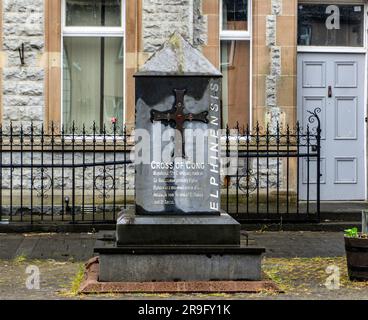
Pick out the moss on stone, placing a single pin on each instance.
(176, 45)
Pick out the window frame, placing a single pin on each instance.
(92, 32)
(239, 35)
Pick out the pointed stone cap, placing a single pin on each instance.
(177, 57)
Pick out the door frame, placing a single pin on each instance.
(348, 50)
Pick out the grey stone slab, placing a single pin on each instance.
(9, 245)
(300, 244)
(178, 230)
(177, 56)
(65, 247)
(44, 246)
(104, 246)
(179, 263)
(26, 247)
(223, 219)
(184, 267)
(177, 148)
(167, 184)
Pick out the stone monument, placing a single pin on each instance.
(177, 231)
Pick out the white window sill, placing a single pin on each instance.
(331, 49)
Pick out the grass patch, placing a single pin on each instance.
(77, 281)
(72, 289)
(20, 258)
(307, 275)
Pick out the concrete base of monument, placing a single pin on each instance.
(93, 285)
(176, 248)
(177, 263)
(146, 264)
(151, 230)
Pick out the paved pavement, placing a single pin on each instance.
(299, 244)
(61, 247)
(353, 208)
(79, 247)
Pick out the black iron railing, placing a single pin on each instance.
(86, 175)
(63, 174)
(279, 174)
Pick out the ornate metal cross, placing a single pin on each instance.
(176, 118)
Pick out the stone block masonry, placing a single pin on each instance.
(162, 18)
(23, 22)
(66, 182)
(272, 79)
(23, 85)
(275, 64)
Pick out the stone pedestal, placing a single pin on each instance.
(177, 231)
(179, 263)
(177, 248)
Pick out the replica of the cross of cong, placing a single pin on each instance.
(176, 117)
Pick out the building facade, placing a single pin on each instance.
(73, 61)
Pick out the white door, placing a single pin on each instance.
(335, 84)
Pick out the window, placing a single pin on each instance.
(235, 15)
(93, 13)
(330, 25)
(93, 63)
(235, 38)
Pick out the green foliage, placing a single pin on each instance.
(352, 233)
(20, 258)
(77, 281)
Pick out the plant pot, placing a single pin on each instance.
(357, 258)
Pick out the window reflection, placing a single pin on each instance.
(235, 57)
(93, 72)
(93, 13)
(235, 15)
(330, 25)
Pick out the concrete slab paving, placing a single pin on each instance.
(301, 244)
(79, 247)
(61, 247)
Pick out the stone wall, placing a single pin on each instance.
(23, 22)
(274, 71)
(274, 53)
(273, 77)
(161, 18)
(59, 181)
(23, 85)
(274, 62)
(151, 22)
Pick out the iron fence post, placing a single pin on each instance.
(318, 167)
(314, 117)
(73, 173)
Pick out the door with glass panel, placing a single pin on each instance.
(335, 84)
(93, 63)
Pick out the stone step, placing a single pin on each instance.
(177, 230)
(178, 263)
